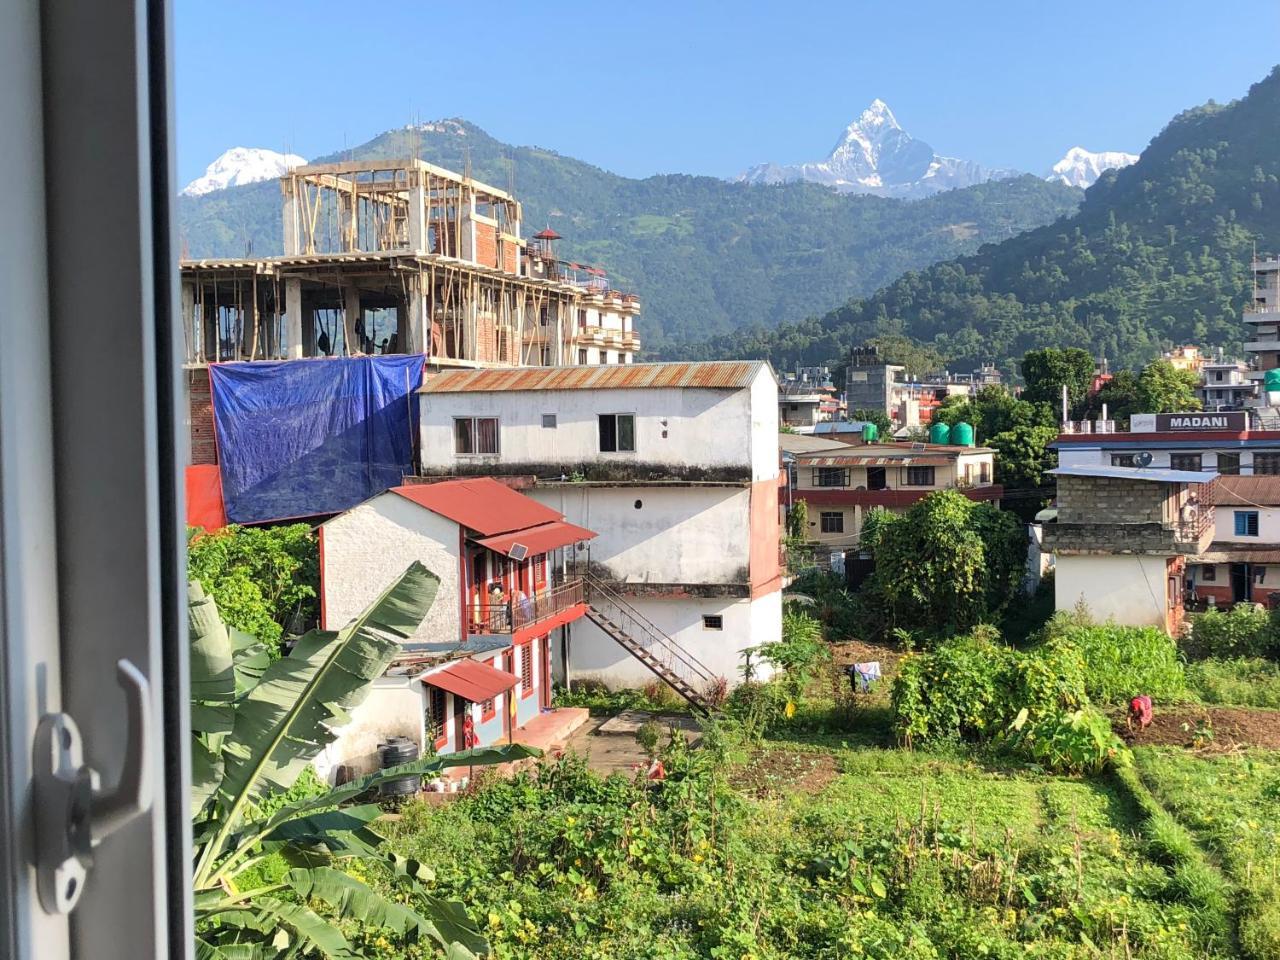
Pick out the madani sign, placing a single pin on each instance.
(1235, 421)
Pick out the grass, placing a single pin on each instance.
(1230, 805)
(1251, 682)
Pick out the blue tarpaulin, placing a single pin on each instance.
(300, 438)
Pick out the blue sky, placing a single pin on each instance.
(710, 88)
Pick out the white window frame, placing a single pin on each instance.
(474, 423)
(616, 433)
(92, 559)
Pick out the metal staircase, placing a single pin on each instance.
(640, 637)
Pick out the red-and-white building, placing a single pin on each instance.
(477, 671)
(1242, 564)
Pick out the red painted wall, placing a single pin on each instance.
(766, 537)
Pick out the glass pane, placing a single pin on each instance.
(608, 433)
(462, 437)
(487, 435)
(626, 432)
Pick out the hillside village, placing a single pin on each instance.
(618, 563)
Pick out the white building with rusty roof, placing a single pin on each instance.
(675, 465)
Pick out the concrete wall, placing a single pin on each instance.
(732, 431)
(747, 623)
(1072, 454)
(945, 476)
(1225, 524)
(677, 534)
(394, 708)
(366, 548)
(1129, 589)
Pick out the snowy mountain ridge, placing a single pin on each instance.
(241, 165)
(1082, 168)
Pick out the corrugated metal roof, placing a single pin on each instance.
(799, 443)
(539, 539)
(712, 374)
(855, 460)
(1247, 491)
(1152, 474)
(471, 680)
(480, 504)
(1225, 551)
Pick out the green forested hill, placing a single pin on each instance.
(1158, 253)
(707, 257)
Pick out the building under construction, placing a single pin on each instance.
(386, 257)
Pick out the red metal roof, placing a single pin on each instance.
(1253, 491)
(539, 539)
(547, 234)
(481, 504)
(471, 680)
(721, 374)
(887, 498)
(847, 460)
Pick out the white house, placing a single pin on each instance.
(677, 464)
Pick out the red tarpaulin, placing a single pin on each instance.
(204, 497)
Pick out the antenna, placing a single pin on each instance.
(1142, 459)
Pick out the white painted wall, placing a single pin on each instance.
(1075, 455)
(370, 545)
(747, 623)
(1224, 524)
(394, 708)
(679, 534)
(1128, 589)
(703, 427)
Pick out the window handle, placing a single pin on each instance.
(73, 814)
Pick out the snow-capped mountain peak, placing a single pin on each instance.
(241, 165)
(875, 155)
(1082, 168)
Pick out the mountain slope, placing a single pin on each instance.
(1158, 253)
(875, 155)
(706, 256)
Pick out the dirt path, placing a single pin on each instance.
(1207, 728)
(609, 743)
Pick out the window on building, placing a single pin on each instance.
(832, 521)
(830, 477)
(1217, 376)
(622, 357)
(475, 435)
(984, 472)
(1229, 464)
(920, 476)
(1246, 523)
(1209, 573)
(1268, 463)
(546, 356)
(604, 356)
(488, 710)
(435, 714)
(1184, 461)
(582, 358)
(526, 669)
(549, 421)
(1122, 460)
(617, 432)
(582, 318)
(712, 621)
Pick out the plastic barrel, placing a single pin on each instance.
(962, 434)
(870, 432)
(1271, 380)
(392, 753)
(939, 433)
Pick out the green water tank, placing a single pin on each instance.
(939, 433)
(962, 435)
(870, 433)
(1271, 380)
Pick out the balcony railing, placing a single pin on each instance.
(1089, 426)
(516, 613)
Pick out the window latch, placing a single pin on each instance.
(73, 814)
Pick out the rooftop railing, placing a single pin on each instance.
(515, 613)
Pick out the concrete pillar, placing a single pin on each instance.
(291, 218)
(418, 234)
(190, 332)
(209, 331)
(293, 319)
(415, 333)
(350, 314)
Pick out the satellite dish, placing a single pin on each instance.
(518, 551)
(1142, 459)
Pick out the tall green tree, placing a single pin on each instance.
(993, 410)
(1163, 388)
(1046, 371)
(878, 417)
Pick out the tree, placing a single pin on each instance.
(1045, 371)
(1162, 388)
(943, 566)
(991, 411)
(878, 417)
(262, 578)
(256, 725)
(1023, 454)
(1119, 394)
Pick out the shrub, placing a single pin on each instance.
(1245, 630)
(961, 690)
(799, 651)
(833, 604)
(1241, 682)
(1080, 741)
(1120, 662)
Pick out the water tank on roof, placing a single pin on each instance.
(870, 433)
(1271, 380)
(940, 433)
(962, 434)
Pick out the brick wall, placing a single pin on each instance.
(1111, 500)
(510, 256)
(204, 447)
(486, 244)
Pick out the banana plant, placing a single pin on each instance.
(256, 724)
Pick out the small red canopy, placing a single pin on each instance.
(471, 680)
(539, 539)
(547, 234)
